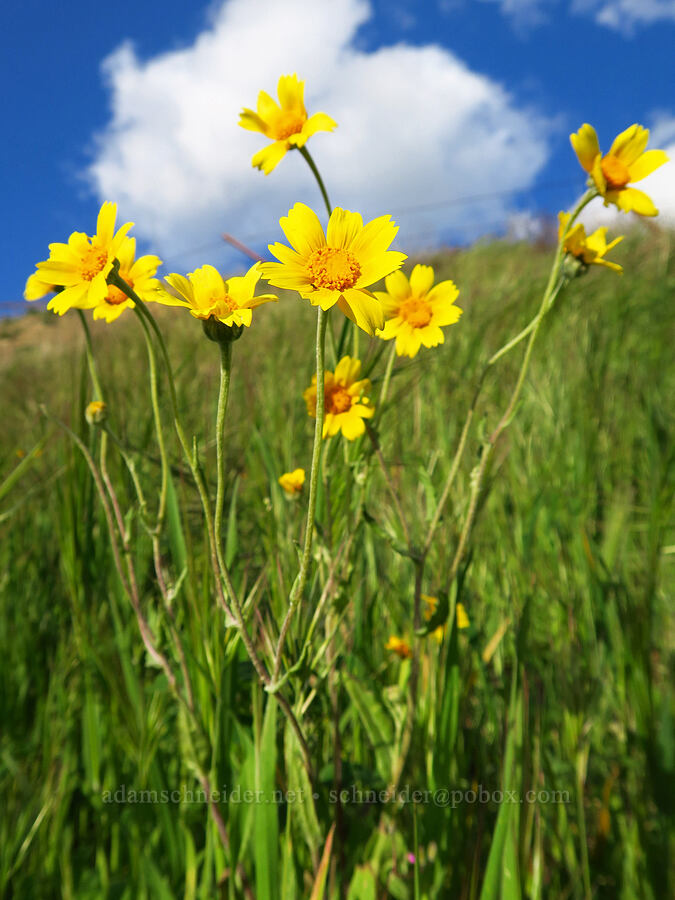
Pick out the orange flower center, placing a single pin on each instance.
(93, 260)
(338, 400)
(287, 124)
(616, 173)
(416, 312)
(115, 295)
(224, 303)
(334, 269)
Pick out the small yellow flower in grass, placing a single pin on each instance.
(627, 161)
(344, 401)
(338, 266)
(292, 482)
(81, 266)
(138, 274)
(208, 295)
(286, 123)
(96, 412)
(591, 248)
(398, 646)
(430, 606)
(416, 310)
(462, 618)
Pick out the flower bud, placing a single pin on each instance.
(96, 412)
(221, 334)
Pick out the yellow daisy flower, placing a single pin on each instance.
(207, 294)
(292, 482)
(338, 266)
(626, 162)
(398, 646)
(285, 123)
(138, 274)
(591, 248)
(81, 266)
(415, 311)
(344, 403)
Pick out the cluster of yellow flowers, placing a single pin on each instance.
(337, 267)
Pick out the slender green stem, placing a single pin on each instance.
(319, 180)
(154, 397)
(223, 393)
(581, 821)
(91, 361)
(114, 278)
(552, 288)
(299, 585)
(527, 330)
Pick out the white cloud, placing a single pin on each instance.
(525, 13)
(619, 15)
(625, 15)
(416, 127)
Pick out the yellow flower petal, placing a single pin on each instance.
(105, 223)
(318, 122)
(397, 285)
(586, 146)
(367, 310)
(252, 122)
(646, 164)
(267, 107)
(347, 370)
(291, 93)
(421, 279)
(630, 199)
(303, 229)
(36, 288)
(269, 157)
(630, 144)
(352, 426)
(343, 227)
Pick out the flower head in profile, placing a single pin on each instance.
(627, 161)
(416, 310)
(210, 296)
(399, 646)
(344, 402)
(338, 266)
(79, 269)
(589, 249)
(292, 482)
(285, 123)
(138, 274)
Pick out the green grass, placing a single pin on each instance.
(572, 559)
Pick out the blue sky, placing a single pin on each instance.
(434, 81)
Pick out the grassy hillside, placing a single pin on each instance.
(559, 684)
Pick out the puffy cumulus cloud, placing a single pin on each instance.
(660, 185)
(626, 15)
(416, 127)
